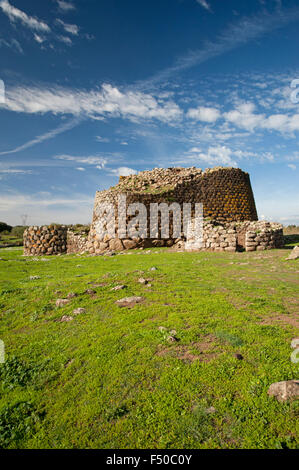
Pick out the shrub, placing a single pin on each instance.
(18, 231)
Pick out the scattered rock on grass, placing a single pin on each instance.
(162, 329)
(211, 410)
(171, 339)
(294, 254)
(285, 390)
(153, 268)
(129, 301)
(71, 295)
(34, 278)
(66, 318)
(90, 292)
(78, 311)
(116, 288)
(62, 302)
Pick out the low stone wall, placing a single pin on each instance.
(51, 240)
(237, 236)
(226, 237)
(264, 237)
(76, 242)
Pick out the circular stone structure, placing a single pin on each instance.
(225, 193)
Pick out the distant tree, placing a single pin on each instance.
(18, 231)
(5, 227)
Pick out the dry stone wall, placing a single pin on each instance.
(76, 242)
(51, 240)
(237, 236)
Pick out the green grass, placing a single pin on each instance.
(10, 240)
(110, 378)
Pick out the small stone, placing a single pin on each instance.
(90, 291)
(153, 268)
(71, 295)
(162, 329)
(66, 318)
(62, 302)
(116, 288)
(173, 332)
(171, 339)
(129, 301)
(141, 280)
(78, 311)
(239, 356)
(34, 278)
(295, 343)
(285, 390)
(211, 410)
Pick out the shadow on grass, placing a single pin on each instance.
(291, 241)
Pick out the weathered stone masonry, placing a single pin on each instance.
(230, 216)
(45, 240)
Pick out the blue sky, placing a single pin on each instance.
(95, 89)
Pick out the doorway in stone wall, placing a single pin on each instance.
(241, 240)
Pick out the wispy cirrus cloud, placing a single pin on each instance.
(239, 33)
(14, 14)
(69, 28)
(65, 7)
(13, 172)
(204, 4)
(42, 138)
(12, 44)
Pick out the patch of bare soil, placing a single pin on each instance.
(238, 302)
(280, 319)
(292, 305)
(203, 351)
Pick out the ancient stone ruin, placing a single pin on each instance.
(229, 211)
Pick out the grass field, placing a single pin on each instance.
(110, 379)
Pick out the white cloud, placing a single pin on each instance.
(12, 44)
(96, 161)
(69, 28)
(39, 38)
(14, 14)
(108, 101)
(292, 166)
(204, 114)
(123, 171)
(65, 7)
(104, 140)
(204, 4)
(65, 39)
(218, 155)
(243, 116)
(80, 169)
